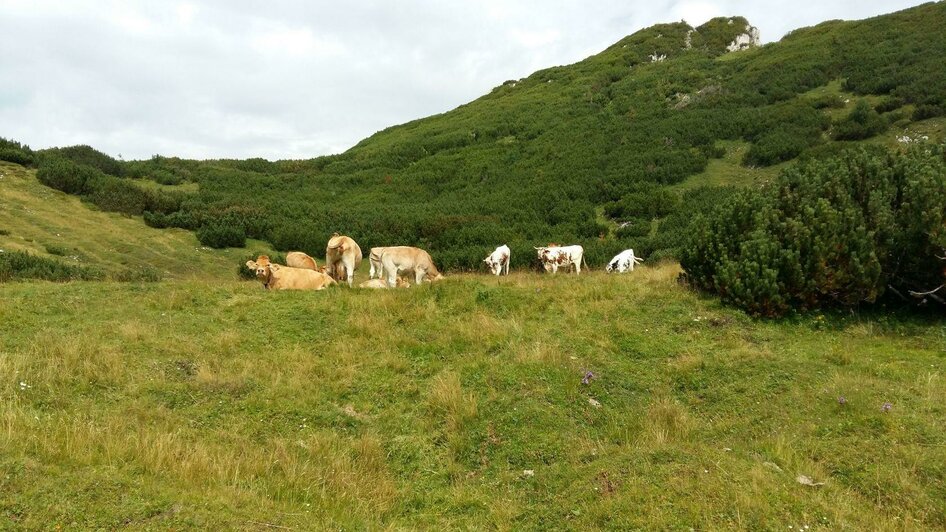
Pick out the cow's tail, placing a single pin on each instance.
(583, 261)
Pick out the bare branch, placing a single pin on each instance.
(924, 294)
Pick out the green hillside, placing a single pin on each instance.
(47, 223)
(618, 150)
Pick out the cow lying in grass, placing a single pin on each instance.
(298, 259)
(405, 258)
(278, 277)
(381, 283)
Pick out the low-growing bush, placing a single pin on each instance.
(22, 265)
(830, 232)
(219, 234)
(144, 274)
(924, 111)
(861, 123)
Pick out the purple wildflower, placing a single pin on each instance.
(842, 400)
(587, 378)
(886, 407)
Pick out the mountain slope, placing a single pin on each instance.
(49, 223)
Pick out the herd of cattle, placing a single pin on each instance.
(343, 255)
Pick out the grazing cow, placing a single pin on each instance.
(298, 259)
(405, 258)
(498, 260)
(374, 258)
(381, 283)
(342, 257)
(553, 256)
(623, 261)
(277, 277)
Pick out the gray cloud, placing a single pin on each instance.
(297, 79)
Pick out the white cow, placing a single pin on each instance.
(554, 256)
(623, 262)
(498, 260)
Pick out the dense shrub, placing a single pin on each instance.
(87, 156)
(14, 152)
(21, 265)
(861, 123)
(780, 145)
(219, 234)
(831, 232)
(924, 111)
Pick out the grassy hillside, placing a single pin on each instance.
(49, 223)
(461, 405)
(640, 136)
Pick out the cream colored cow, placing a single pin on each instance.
(342, 257)
(278, 277)
(405, 258)
(381, 283)
(374, 258)
(298, 259)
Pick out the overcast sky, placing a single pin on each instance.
(297, 79)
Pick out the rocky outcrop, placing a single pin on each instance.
(749, 39)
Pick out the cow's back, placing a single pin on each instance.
(298, 259)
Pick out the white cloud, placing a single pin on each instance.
(226, 78)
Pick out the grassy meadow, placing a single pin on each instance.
(191, 404)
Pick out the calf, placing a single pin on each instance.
(498, 260)
(623, 261)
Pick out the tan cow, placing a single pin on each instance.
(298, 259)
(374, 258)
(342, 257)
(381, 283)
(277, 277)
(405, 258)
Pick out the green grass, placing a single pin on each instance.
(188, 404)
(729, 170)
(46, 222)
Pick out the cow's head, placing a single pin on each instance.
(262, 267)
(402, 283)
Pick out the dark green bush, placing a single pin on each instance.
(86, 156)
(861, 123)
(21, 265)
(831, 232)
(14, 152)
(924, 111)
(67, 176)
(220, 234)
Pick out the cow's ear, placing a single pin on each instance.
(251, 264)
(273, 266)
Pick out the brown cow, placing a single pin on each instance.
(277, 277)
(342, 257)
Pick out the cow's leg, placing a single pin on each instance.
(350, 271)
(419, 276)
(392, 276)
(578, 267)
(371, 271)
(506, 265)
